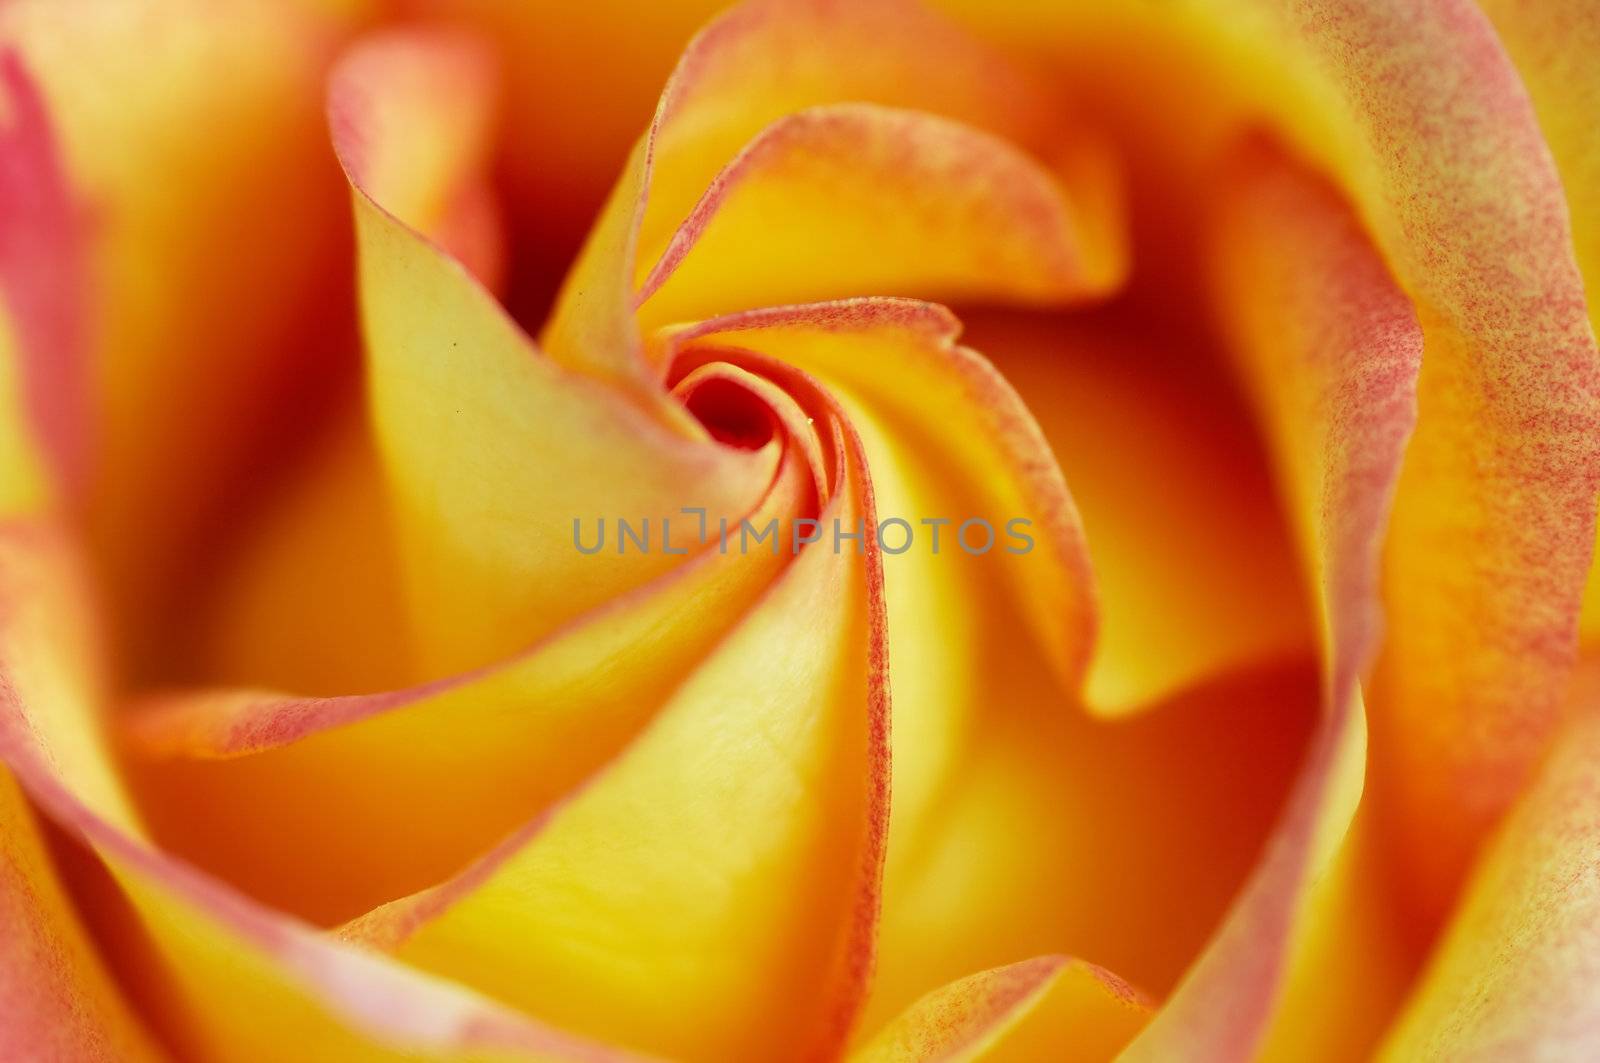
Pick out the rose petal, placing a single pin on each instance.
(56, 999)
(413, 118)
(1296, 274)
(308, 594)
(1048, 1007)
(1417, 109)
(1196, 574)
(841, 200)
(1515, 974)
(776, 807)
(213, 969)
(1553, 45)
(493, 451)
(957, 448)
(189, 134)
(753, 66)
(43, 292)
(312, 795)
(963, 417)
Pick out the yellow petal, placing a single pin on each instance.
(493, 451)
(725, 865)
(311, 796)
(1331, 349)
(954, 462)
(1196, 576)
(761, 62)
(843, 200)
(191, 136)
(1514, 976)
(216, 975)
(45, 433)
(1049, 1007)
(56, 998)
(968, 423)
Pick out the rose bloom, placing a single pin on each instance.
(1259, 725)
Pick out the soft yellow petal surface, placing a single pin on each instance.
(215, 974)
(1515, 975)
(1049, 1007)
(717, 869)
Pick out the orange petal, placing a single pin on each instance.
(1553, 45)
(757, 64)
(1296, 274)
(1048, 1007)
(1417, 109)
(307, 594)
(964, 418)
(215, 973)
(776, 807)
(56, 999)
(1514, 976)
(44, 293)
(190, 135)
(493, 451)
(841, 200)
(311, 795)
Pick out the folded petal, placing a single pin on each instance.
(44, 305)
(1514, 975)
(766, 60)
(56, 999)
(1195, 571)
(964, 419)
(493, 451)
(1049, 1007)
(842, 200)
(725, 866)
(956, 463)
(330, 806)
(1331, 350)
(211, 239)
(1416, 109)
(217, 976)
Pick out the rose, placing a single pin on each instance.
(640, 802)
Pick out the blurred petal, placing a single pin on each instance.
(774, 808)
(1416, 108)
(413, 117)
(1553, 44)
(1196, 576)
(307, 595)
(330, 806)
(492, 451)
(1352, 958)
(1515, 975)
(1331, 348)
(216, 975)
(56, 999)
(1049, 1007)
(44, 298)
(215, 254)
